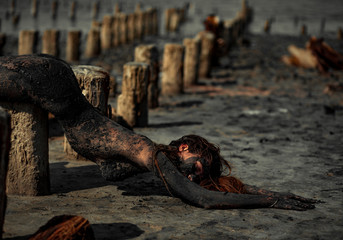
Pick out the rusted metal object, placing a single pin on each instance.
(51, 84)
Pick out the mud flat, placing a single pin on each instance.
(275, 125)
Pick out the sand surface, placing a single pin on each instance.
(275, 125)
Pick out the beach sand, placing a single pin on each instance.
(274, 124)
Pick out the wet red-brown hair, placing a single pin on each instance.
(216, 181)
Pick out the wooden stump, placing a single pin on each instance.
(5, 144)
(172, 71)
(93, 43)
(139, 25)
(73, 43)
(65, 227)
(207, 43)
(131, 27)
(149, 54)
(123, 28)
(50, 42)
(132, 103)
(106, 32)
(28, 170)
(27, 42)
(191, 61)
(116, 31)
(94, 83)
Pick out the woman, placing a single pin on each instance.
(201, 162)
(50, 83)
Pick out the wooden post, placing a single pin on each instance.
(5, 144)
(340, 34)
(131, 27)
(72, 10)
(116, 31)
(132, 102)
(72, 50)
(154, 22)
(50, 42)
(93, 43)
(303, 30)
(34, 8)
(139, 25)
(27, 42)
(167, 14)
(149, 54)
(267, 26)
(207, 43)
(28, 169)
(191, 61)
(106, 32)
(123, 28)
(54, 7)
(116, 9)
(94, 83)
(95, 10)
(172, 71)
(174, 21)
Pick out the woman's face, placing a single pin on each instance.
(191, 165)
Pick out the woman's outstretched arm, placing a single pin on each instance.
(50, 83)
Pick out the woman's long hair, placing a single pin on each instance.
(211, 153)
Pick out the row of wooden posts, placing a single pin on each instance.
(113, 31)
(183, 64)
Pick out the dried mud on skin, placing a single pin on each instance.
(272, 122)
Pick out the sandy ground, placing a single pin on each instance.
(273, 123)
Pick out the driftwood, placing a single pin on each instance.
(317, 54)
(51, 84)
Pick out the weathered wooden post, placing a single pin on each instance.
(73, 43)
(93, 43)
(154, 22)
(50, 42)
(207, 43)
(303, 30)
(27, 42)
(72, 10)
(131, 27)
(132, 103)
(116, 31)
(106, 32)
(94, 83)
(339, 34)
(167, 14)
(116, 9)
(172, 69)
(34, 8)
(54, 7)
(174, 21)
(28, 169)
(95, 10)
(5, 144)
(191, 61)
(149, 54)
(139, 25)
(123, 28)
(267, 26)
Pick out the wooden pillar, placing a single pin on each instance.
(93, 43)
(27, 42)
(54, 7)
(50, 42)
(154, 22)
(131, 27)
(149, 54)
(116, 31)
(132, 102)
(106, 32)
(94, 83)
(123, 28)
(139, 25)
(72, 10)
(167, 14)
(73, 43)
(172, 71)
(191, 61)
(34, 8)
(5, 144)
(28, 169)
(207, 43)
